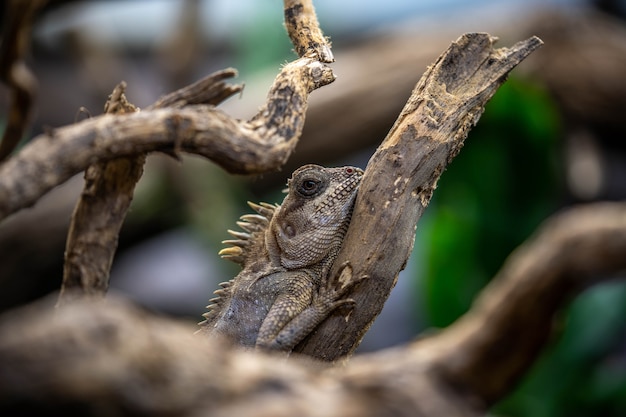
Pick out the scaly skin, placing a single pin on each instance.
(283, 292)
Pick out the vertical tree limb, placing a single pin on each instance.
(304, 31)
(403, 173)
(99, 215)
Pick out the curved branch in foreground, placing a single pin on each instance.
(403, 173)
(114, 357)
(261, 144)
(487, 351)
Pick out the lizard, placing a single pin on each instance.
(286, 251)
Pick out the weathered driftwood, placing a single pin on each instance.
(402, 175)
(261, 144)
(111, 358)
(108, 192)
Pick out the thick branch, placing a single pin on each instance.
(402, 174)
(133, 363)
(262, 144)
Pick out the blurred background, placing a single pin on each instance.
(554, 135)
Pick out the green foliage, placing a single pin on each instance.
(492, 197)
(495, 194)
(582, 374)
(262, 43)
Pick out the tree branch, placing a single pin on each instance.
(304, 31)
(402, 175)
(261, 144)
(98, 217)
(109, 188)
(117, 358)
(211, 90)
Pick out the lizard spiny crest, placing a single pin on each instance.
(244, 247)
(285, 252)
(254, 226)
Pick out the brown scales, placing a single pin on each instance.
(286, 251)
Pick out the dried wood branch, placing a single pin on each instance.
(304, 31)
(209, 90)
(99, 215)
(118, 360)
(402, 175)
(19, 15)
(108, 192)
(258, 145)
(261, 144)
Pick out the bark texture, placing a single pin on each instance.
(99, 215)
(403, 173)
(18, 18)
(112, 358)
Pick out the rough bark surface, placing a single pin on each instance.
(304, 30)
(112, 358)
(99, 215)
(402, 175)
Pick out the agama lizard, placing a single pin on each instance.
(283, 292)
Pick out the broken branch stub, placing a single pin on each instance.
(98, 216)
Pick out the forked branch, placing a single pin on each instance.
(261, 144)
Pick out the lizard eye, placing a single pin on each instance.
(309, 187)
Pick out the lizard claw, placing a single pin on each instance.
(332, 295)
(345, 280)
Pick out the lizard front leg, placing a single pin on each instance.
(295, 292)
(330, 296)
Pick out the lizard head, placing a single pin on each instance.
(310, 224)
